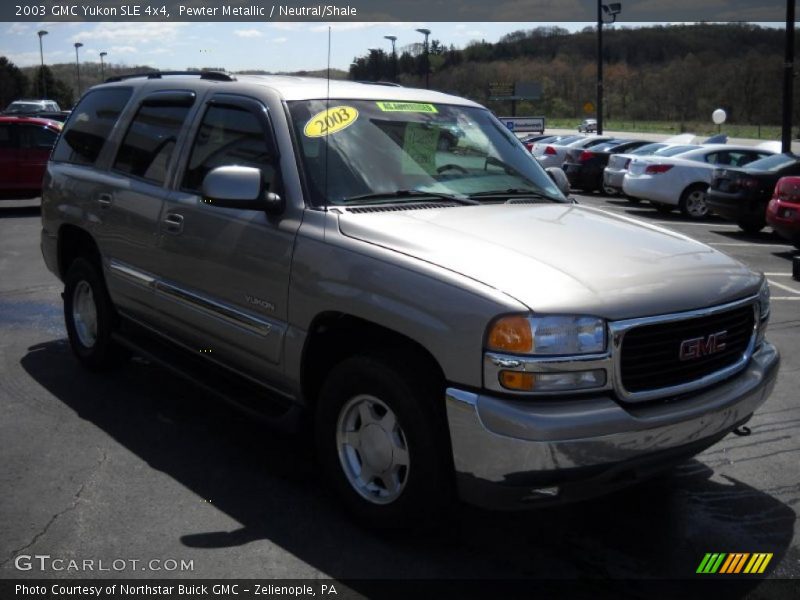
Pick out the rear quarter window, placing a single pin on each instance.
(90, 124)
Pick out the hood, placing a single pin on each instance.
(562, 258)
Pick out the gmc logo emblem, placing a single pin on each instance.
(699, 347)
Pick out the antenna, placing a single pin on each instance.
(327, 108)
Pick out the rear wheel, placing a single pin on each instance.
(633, 200)
(382, 442)
(693, 201)
(752, 224)
(90, 317)
(610, 191)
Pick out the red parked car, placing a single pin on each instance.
(783, 211)
(25, 145)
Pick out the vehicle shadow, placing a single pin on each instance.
(18, 212)
(268, 482)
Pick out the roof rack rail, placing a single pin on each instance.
(211, 75)
(386, 83)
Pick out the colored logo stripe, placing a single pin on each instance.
(733, 563)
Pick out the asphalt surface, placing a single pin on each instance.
(136, 465)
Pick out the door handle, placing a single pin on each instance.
(104, 200)
(174, 223)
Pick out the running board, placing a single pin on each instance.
(253, 400)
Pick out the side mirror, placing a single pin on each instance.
(559, 178)
(239, 187)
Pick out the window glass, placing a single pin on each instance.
(773, 162)
(37, 137)
(366, 151)
(90, 124)
(229, 136)
(150, 140)
(5, 136)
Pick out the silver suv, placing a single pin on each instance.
(444, 317)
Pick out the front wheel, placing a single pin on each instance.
(693, 202)
(752, 224)
(90, 317)
(664, 209)
(382, 443)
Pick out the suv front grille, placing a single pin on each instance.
(651, 354)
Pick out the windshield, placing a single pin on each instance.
(649, 148)
(674, 150)
(402, 150)
(16, 107)
(776, 162)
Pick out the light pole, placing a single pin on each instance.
(41, 34)
(393, 39)
(611, 11)
(788, 77)
(78, 67)
(426, 33)
(103, 66)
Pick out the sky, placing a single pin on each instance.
(280, 46)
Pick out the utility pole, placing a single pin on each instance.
(426, 33)
(393, 39)
(78, 67)
(612, 10)
(41, 34)
(788, 80)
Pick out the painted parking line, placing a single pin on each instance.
(749, 244)
(784, 287)
(778, 274)
(795, 298)
(696, 224)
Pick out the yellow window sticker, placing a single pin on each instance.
(416, 107)
(330, 121)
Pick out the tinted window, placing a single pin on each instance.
(6, 139)
(775, 162)
(36, 137)
(90, 124)
(147, 147)
(229, 136)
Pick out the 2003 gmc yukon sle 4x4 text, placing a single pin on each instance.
(447, 319)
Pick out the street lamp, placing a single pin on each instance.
(103, 66)
(78, 67)
(426, 33)
(393, 39)
(609, 11)
(41, 34)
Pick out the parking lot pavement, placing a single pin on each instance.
(135, 465)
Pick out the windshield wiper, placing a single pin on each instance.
(512, 193)
(415, 194)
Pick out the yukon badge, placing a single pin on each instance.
(698, 347)
(259, 302)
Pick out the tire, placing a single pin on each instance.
(90, 317)
(609, 191)
(693, 201)
(664, 209)
(633, 200)
(404, 445)
(752, 224)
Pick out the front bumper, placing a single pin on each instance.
(513, 454)
(734, 207)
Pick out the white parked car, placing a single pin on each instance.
(682, 181)
(618, 164)
(553, 155)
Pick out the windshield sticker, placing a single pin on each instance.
(406, 107)
(330, 121)
(419, 146)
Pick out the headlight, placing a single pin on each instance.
(549, 336)
(763, 300)
(763, 312)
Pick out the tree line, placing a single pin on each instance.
(663, 73)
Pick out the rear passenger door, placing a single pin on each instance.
(226, 271)
(35, 144)
(133, 196)
(9, 148)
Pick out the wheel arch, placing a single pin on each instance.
(334, 336)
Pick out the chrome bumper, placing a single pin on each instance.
(508, 453)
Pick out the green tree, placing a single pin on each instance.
(13, 83)
(55, 88)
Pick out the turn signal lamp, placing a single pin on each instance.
(511, 334)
